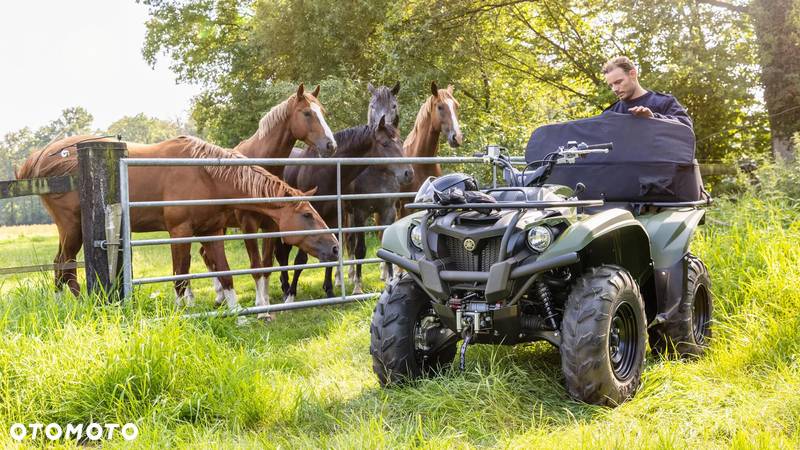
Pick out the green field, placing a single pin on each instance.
(305, 379)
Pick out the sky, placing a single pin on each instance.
(59, 54)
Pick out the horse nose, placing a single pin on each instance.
(335, 251)
(408, 175)
(452, 138)
(331, 145)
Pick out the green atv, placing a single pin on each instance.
(597, 270)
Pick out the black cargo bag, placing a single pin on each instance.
(652, 160)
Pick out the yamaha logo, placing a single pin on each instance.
(469, 244)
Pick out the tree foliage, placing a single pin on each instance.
(15, 148)
(516, 64)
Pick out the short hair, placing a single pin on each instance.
(623, 62)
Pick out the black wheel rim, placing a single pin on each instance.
(623, 341)
(701, 314)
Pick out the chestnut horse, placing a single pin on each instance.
(381, 141)
(177, 183)
(299, 117)
(437, 115)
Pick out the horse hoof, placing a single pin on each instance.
(289, 299)
(242, 321)
(357, 290)
(266, 317)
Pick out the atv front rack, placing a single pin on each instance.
(508, 205)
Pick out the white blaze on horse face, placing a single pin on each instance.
(453, 117)
(321, 118)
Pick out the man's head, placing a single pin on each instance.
(622, 77)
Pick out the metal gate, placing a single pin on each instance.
(128, 243)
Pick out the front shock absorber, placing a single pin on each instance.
(546, 297)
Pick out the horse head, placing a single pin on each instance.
(383, 102)
(307, 122)
(444, 114)
(387, 144)
(299, 216)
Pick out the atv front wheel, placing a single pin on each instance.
(603, 337)
(407, 340)
(688, 331)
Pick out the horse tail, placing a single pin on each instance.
(26, 170)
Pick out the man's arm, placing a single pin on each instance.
(675, 111)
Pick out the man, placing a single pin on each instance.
(623, 79)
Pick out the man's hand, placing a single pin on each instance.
(641, 111)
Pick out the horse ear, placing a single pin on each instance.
(450, 89)
(434, 89)
(370, 88)
(316, 92)
(396, 89)
(310, 192)
(382, 123)
(300, 91)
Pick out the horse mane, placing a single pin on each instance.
(253, 180)
(424, 113)
(279, 113)
(358, 135)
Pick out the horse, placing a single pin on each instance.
(299, 117)
(437, 115)
(375, 179)
(382, 140)
(177, 183)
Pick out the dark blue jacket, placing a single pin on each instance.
(664, 106)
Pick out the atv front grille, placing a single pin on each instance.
(479, 260)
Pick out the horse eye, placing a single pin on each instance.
(307, 113)
(394, 106)
(440, 107)
(308, 215)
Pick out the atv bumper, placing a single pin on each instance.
(497, 279)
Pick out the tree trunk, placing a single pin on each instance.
(778, 34)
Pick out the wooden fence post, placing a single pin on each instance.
(98, 186)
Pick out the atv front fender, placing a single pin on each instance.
(395, 238)
(609, 237)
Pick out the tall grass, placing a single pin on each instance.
(305, 379)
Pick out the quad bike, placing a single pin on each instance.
(598, 278)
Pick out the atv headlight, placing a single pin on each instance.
(539, 238)
(416, 236)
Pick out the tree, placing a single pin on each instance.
(18, 145)
(143, 129)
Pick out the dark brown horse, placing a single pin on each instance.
(177, 183)
(381, 140)
(298, 118)
(375, 179)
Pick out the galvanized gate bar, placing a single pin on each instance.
(300, 161)
(282, 306)
(233, 237)
(197, 276)
(246, 201)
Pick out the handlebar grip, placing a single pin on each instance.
(608, 145)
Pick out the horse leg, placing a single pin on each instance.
(251, 224)
(262, 283)
(282, 252)
(181, 262)
(69, 250)
(301, 258)
(216, 260)
(216, 254)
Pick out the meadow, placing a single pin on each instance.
(305, 379)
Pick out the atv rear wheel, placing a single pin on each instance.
(603, 337)
(407, 340)
(688, 331)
